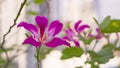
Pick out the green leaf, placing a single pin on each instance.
(39, 1)
(113, 27)
(27, 35)
(103, 56)
(111, 46)
(71, 52)
(105, 23)
(82, 38)
(32, 13)
(94, 57)
(117, 48)
(96, 21)
(106, 54)
(79, 67)
(7, 49)
(2, 62)
(1, 51)
(94, 66)
(86, 41)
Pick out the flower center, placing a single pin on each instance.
(44, 38)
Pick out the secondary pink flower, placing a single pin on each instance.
(98, 36)
(44, 34)
(79, 28)
(70, 34)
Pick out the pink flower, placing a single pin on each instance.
(79, 28)
(70, 34)
(44, 34)
(98, 36)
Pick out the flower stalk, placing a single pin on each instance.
(38, 56)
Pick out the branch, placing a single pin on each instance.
(12, 58)
(16, 18)
(4, 36)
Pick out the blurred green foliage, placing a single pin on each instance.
(39, 1)
(107, 26)
(71, 52)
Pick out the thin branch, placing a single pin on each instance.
(4, 36)
(95, 45)
(12, 58)
(6, 53)
(15, 20)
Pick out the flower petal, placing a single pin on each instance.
(90, 35)
(42, 22)
(99, 34)
(56, 42)
(29, 27)
(83, 27)
(77, 25)
(76, 43)
(55, 28)
(70, 32)
(31, 41)
(66, 38)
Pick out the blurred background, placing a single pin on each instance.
(67, 11)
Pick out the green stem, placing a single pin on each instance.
(95, 45)
(38, 57)
(96, 22)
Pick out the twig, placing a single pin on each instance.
(11, 59)
(4, 36)
(95, 45)
(16, 18)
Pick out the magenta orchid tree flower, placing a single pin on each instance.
(70, 34)
(44, 34)
(80, 28)
(98, 36)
